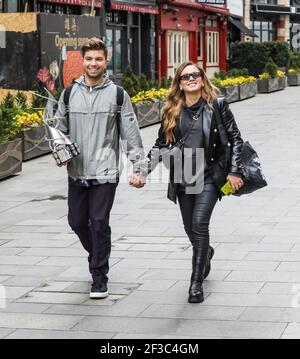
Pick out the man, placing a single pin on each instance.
(91, 121)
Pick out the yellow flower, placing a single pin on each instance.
(231, 81)
(27, 120)
(150, 95)
(280, 73)
(294, 71)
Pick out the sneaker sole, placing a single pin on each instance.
(98, 295)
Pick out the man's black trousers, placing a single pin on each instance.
(89, 212)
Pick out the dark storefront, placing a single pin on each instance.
(53, 43)
(130, 35)
(49, 52)
(268, 20)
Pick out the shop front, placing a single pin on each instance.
(46, 49)
(192, 31)
(270, 20)
(130, 35)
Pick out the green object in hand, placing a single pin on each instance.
(227, 189)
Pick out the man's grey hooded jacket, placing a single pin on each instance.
(92, 124)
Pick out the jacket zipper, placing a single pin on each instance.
(89, 137)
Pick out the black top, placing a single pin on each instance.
(194, 141)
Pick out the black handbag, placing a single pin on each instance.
(253, 176)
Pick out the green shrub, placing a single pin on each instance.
(294, 60)
(153, 84)
(128, 85)
(237, 73)
(279, 52)
(21, 100)
(130, 82)
(221, 75)
(166, 82)
(254, 56)
(9, 108)
(143, 83)
(271, 68)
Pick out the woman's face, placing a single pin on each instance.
(191, 80)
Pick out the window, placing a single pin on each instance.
(264, 31)
(212, 48)
(114, 45)
(12, 6)
(177, 50)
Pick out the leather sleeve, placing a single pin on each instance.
(234, 137)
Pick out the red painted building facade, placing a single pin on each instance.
(191, 30)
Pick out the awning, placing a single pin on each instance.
(97, 3)
(142, 6)
(241, 27)
(272, 9)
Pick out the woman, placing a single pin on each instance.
(189, 115)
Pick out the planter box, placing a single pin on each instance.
(247, 90)
(34, 143)
(10, 158)
(231, 93)
(271, 85)
(147, 113)
(293, 80)
(161, 105)
(282, 82)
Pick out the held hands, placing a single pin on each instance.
(236, 182)
(137, 181)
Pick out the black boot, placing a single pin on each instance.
(211, 253)
(199, 263)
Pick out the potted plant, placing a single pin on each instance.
(293, 78)
(228, 88)
(272, 79)
(148, 106)
(10, 144)
(235, 85)
(247, 87)
(33, 134)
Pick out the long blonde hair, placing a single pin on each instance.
(176, 98)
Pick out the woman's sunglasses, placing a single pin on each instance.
(195, 75)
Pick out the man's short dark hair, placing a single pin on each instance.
(94, 44)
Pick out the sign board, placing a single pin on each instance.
(62, 37)
(236, 7)
(97, 3)
(212, 2)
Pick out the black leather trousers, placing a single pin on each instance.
(196, 210)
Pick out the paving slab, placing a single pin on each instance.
(56, 334)
(38, 321)
(251, 292)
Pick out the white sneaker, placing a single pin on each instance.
(99, 291)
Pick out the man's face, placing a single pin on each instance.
(94, 64)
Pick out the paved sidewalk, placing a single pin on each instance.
(252, 291)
